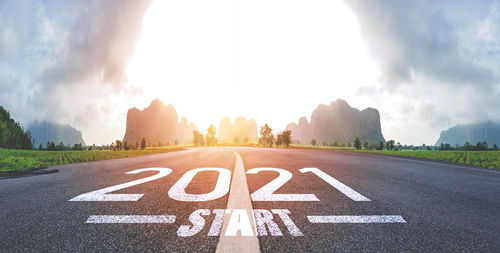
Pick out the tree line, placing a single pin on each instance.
(479, 146)
(12, 134)
(267, 139)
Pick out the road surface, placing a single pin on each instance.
(229, 199)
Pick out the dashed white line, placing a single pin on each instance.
(131, 219)
(357, 219)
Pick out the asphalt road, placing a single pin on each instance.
(346, 202)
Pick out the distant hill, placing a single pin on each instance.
(157, 123)
(242, 128)
(338, 122)
(12, 135)
(473, 133)
(45, 131)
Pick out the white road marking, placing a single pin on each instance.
(131, 219)
(266, 192)
(264, 218)
(239, 221)
(239, 198)
(464, 166)
(198, 223)
(178, 190)
(292, 228)
(357, 219)
(217, 223)
(354, 195)
(105, 195)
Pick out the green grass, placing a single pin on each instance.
(320, 147)
(489, 159)
(16, 159)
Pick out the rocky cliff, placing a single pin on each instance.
(157, 123)
(473, 133)
(338, 122)
(242, 128)
(43, 132)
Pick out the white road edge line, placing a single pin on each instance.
(239, 198)
(357, 219)
(131, 219)
(464, 166)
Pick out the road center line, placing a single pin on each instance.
(239, 198)
(357, 219)
(131, 219)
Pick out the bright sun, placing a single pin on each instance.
(269, 60)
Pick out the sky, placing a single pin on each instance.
(425, 65)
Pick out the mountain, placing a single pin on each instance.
(45, 131)
(242, 128)
(338, 122)
(12, 135)
(157, 123)
(473, 133)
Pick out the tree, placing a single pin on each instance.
(143, 143)
(12, 134)
(41, 147)
(313, 142)
(176, 142)
(118, 145)
(125, 145)
(286, 138)
(236, 139)
(484, 146)
(267, 136)
(211, 132)
(495, 147)
(467, 146)
(60, 146)
(380, 145)
(357, 143)
(366, 145)
(198, 138)
(389, 145)
(279, 140)
(246, 140)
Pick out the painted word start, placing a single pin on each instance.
(240, 223)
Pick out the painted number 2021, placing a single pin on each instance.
(178, 190)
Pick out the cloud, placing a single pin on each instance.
(65, 61)
(411, 38)
(100, 41)
(439, 57)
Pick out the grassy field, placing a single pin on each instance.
(489, 159)
(320, 147)
(15, 159)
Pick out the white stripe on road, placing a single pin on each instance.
(131, 219)
(357, 219)
(239, 198)
(346, 190)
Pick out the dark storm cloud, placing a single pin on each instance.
(413, 38)
(100, 41)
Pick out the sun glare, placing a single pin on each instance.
(268, 60)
